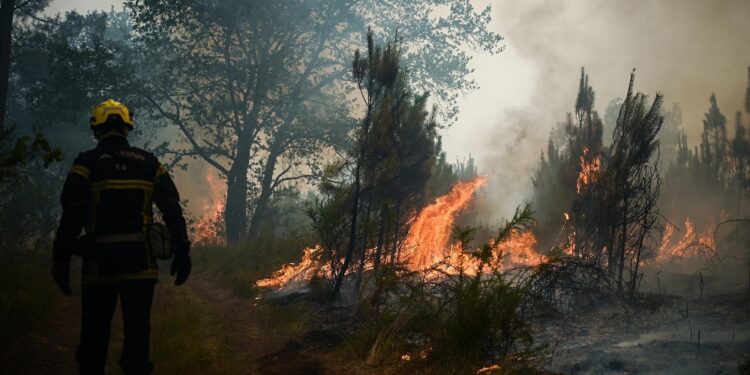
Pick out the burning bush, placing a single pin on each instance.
(458, 314)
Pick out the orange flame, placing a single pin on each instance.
(426, 245)
(691, 246)
(590, 170)
(518, 250)
(291, 275)
(207, 230)
(428, 237)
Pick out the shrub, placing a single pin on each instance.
(455, 323)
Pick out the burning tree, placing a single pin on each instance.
(615, 209)
(612, 190)
(382, 181)
(570, 164)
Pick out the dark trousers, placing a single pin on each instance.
(98, 304)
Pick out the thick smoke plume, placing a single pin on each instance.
(684, 49)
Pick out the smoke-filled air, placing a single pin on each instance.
(374, 187)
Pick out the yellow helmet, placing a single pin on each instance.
(110, 111)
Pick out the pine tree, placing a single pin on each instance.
(714, 141)
(632, 184)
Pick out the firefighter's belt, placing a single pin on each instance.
(119, 238)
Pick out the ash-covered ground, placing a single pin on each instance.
(657, 334)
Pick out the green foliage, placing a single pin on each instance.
(31, 201)
(62, 67)
(454, 324)
(482, 317)
(384, 177)
(24, 150)
(265, 108)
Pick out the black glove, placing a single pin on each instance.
(61, 275)
(181, 265)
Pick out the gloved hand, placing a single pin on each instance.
(181, 265)
(61, 275)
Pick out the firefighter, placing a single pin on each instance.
(109, 192)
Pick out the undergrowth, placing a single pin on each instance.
(27, 295)
(240, 266)
(455, 323)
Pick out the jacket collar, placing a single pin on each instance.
(112, 141)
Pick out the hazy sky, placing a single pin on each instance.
(685, 49)
(61, 6)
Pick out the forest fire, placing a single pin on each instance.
(432, 228)
(426, 245)
(519, 250)
(291, 275)
(208, 229)
(590, 170)
(691, 245)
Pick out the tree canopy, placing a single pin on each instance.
(258, 88)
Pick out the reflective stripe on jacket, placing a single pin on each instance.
(110, 191)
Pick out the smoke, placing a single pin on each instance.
(684, 49)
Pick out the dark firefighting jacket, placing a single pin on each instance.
(110, 191)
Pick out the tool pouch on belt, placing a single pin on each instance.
(159, 241)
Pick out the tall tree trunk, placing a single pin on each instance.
(637, 259)
(266, 191)
(7, 7)
(352, 235)
(363, 247)
(611, 252)
(623, 241)
(397, 226)
(235, 209)
(355, 202)
(379, 246)
(354, 213)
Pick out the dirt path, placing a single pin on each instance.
(258, 348)
(245, 331)
(49, 345)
